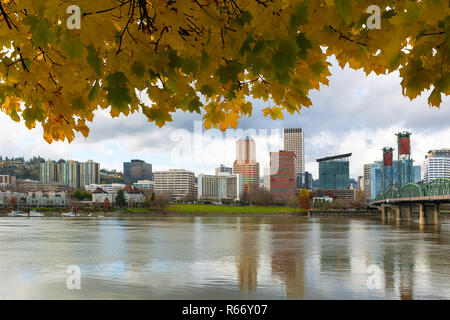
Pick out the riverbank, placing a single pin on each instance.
(201, 210)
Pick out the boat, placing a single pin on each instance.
(16, 214)
(69, 214)
(34, 213)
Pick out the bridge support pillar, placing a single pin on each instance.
(437, 213)
(384, 213)
(406, 213)
(429, 214)
(396, 212)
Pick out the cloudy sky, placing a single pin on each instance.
(355, 114)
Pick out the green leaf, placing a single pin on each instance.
(194, 105)
(207, 90)
(344, 9)
(285, 58)
(72, 46)
(303, 44)
(246, 45)
(93, 94)
(205, 61)
(40, 30)
(318, 68)
(138, 69)
(78, 104)
(189, 66)
(300, 16)
(118, 93)
(229, 72)
(93, 60)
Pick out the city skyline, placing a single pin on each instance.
(114, 141)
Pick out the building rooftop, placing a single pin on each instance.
(338, 157)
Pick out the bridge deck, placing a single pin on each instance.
(439, 199)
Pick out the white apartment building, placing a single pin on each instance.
(34, 199)
(133, 196)
(109, 188)
(179, 183)
(436, 165)
(146, 186)
(221, 186)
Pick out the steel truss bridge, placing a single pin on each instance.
(429, 197)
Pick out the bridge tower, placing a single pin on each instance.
(388, 169)
(405, 168)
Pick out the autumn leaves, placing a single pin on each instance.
(209, 57)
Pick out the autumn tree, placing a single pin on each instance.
(304, 199)
(162, 201)
(210, 57)
(106, 204)
(260, 197)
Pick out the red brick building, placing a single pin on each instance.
(283, 168)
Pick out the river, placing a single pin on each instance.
(223, 258)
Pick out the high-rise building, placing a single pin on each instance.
(436, 165)
(69, 174)
(8, 182)
(360, 183)
(136, 170)
(219, 187)
(367, 182)
(334, 172)
(266, 179)
(283, 169)
(222, 168)
(48, 171)
(179, 183)
(245, 163)
(293, 141)
(89, 173)
(376, 176)
(304, 180)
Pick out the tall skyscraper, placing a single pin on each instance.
(136, 170)
(89, 173)
(293, 141)
(366, 179)
(69, 174)
(245, 163)
(436, 165)
(283, 168)
(304, 180)
(48, 171)
(334, 172)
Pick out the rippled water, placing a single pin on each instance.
(222, 258)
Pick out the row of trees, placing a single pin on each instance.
(303, 200)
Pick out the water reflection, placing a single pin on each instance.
(287, 257)
(223, 258)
